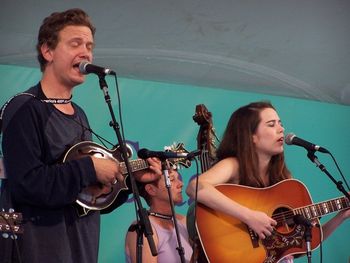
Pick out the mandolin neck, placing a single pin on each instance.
(136, 165)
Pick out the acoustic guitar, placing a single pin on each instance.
(226, 239)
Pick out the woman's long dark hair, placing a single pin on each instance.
(237, 142)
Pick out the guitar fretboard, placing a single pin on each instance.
(208, 153)
(136, 165)
(204, 161)
(323, 208)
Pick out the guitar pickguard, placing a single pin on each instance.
(277, 244)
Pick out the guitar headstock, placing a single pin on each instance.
(176, 162)
(206, 135)
(10, 223)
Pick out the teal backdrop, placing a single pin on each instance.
(158, 114)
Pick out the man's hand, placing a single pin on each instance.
(152, 173)
(107, 171)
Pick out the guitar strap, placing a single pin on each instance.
(8, 118)
(29, 94)
(2, 110)
(22, 97)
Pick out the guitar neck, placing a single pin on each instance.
(323, 208)
(135, 165)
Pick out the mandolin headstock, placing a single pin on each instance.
(178, 162)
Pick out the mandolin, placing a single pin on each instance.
(100, 197)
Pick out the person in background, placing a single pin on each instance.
(250, 154)
(156, 195)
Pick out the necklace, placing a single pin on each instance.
(159, 215)
(58, 101)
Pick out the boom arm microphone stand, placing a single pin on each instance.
(144, 225)
(311, 155)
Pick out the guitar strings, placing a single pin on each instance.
(283, 216)
(205, 160)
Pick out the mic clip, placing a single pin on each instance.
(190, 156)
(301, 220)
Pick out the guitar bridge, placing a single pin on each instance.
(253, 237)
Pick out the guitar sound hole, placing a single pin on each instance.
(284, 218)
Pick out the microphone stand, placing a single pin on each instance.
(308, 236)
(144, 225)
(301, 220)
(311, 155)
(180, 249)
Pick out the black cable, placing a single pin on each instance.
(336, 164)
(119, 106)
(321, 254)
(99, 137)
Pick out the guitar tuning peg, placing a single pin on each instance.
(11, 210)
(13, 237)
(5, 235)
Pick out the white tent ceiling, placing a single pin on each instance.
(292, 48)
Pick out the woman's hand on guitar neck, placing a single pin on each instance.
(107, 170)
(261, 224)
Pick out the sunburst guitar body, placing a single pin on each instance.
(226, 239)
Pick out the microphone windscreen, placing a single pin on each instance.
(82, 67)
(142, 153)
(289, 138)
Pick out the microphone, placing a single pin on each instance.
(144, 154)
(86, 67)
(301, 220)
(291, 138)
